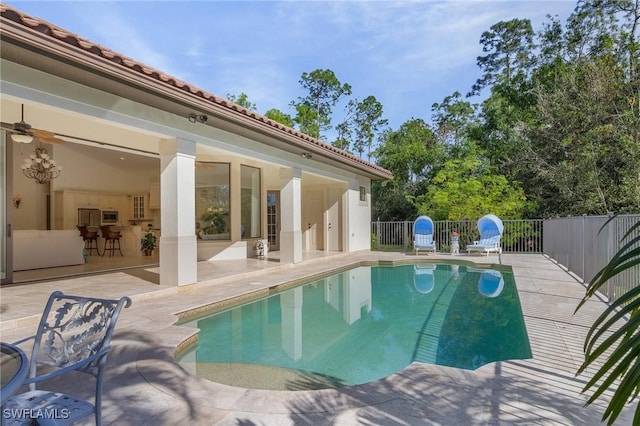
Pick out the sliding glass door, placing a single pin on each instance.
(6, 210)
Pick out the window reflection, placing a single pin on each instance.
(212, 201)
(250, 202)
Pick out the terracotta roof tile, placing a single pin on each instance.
(61, 34)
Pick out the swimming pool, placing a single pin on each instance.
(364, 324)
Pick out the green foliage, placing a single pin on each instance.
(363, 121)
(467, 189)
(148, 241)
(313, 111)
(613, 340)
(510, 47)
(242, 100)
(279, 116)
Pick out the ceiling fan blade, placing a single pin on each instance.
(200, 165)
(38, 133)
(51, 140)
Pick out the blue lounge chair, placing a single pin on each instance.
(490, 227)
(423, 235)
(423, 279)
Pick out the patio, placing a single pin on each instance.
(144, 385)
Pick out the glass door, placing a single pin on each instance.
(6, 210)
(273, 220)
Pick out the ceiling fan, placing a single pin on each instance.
(22, 132)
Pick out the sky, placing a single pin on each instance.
(408, 54)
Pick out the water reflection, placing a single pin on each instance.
(366, 323)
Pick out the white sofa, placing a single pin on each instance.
(34, 249)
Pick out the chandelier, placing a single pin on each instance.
(41, 167)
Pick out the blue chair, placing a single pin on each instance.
(490, 227)
(423, 235)
(74, 334)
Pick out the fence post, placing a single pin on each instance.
(405, 236)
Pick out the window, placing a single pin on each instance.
(212, 201)
(250, 202)
(363, 194)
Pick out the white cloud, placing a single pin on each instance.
(408, 54)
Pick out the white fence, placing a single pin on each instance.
(584, 247)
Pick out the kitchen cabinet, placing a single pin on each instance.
(138, 206)
(154, 196)
(67, 203)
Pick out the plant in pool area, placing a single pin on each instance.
(614, 337)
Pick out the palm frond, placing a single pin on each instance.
(613, 339)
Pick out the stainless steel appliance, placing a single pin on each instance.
(109, 217)
(89, 217)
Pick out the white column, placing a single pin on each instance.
(290, 216)
(178, 246)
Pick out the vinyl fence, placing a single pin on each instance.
(520, 236)
(584, 247)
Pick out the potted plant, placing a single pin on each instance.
(214, 221)
(148, 243)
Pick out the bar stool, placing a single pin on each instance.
(90, 239)
(110, 238)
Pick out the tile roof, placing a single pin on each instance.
(48, 29)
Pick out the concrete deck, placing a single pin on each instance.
(144, 384)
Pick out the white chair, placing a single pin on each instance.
(490, 227)
(423, 235)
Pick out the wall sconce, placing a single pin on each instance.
(193, 118)
(17, 199)
(306, 155)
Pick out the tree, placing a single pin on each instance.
(242, 100)
(466, 189)
(362, 123)
(585, 144)
(323, 92)
(413, 154)
(279, 116)
(453, 118)
(510, 46)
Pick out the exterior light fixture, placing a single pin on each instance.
(193, 118)
(306, 155)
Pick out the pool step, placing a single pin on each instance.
(426, 349)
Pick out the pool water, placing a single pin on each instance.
(366, 323)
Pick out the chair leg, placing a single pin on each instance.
(119, 250)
